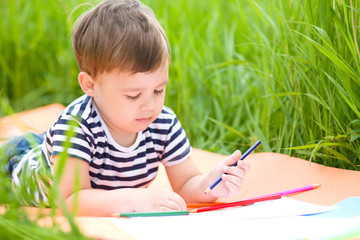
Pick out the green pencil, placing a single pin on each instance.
(151, 214)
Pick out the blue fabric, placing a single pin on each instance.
(31, 180)
(17, 147)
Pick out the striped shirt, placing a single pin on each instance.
(112, 166)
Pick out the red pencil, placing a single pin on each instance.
(235, 204)
(199, 205)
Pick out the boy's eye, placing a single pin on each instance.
(133, 97)
(158, 92)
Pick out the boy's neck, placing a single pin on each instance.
(124, 140)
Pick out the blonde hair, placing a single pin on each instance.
(119, 34)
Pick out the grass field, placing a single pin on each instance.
(283, 72)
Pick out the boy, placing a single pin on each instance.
(122, 130)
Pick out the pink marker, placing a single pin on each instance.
(295, 190)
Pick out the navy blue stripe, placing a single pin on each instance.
(101, 144)
(82, 102)
(155, 141)
(163, 121)
(158, 131)
(166, 111)
(176, 134)
(123, 159)
(98, 135)
(119, 159)
(63, 121)
(84, 105)
(48, 141)
(125, 179)
(105, 187)
(82, 149)
(56, 153)
(92, 125)
(70, 110)
(182, 155)
(78, 135)
(142, 142)
(61, 132)
(91, 140)
(174, 149)
(124, 169)
(150, 150)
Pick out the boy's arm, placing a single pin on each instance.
(97, 202)
(187, 180)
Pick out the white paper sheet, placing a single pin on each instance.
(282, 207)
(296, 227)
(276, 219)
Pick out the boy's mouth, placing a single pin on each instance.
(144, 120)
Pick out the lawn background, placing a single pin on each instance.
(283, 72)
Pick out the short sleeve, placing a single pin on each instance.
(70, 134)
(177, 147)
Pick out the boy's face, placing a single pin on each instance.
(128, 103)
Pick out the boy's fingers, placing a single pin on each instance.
(243, 165)
(233, 158)
(236, 181)
(178, 201)
(167, 209)
(170, 206)
(233, 188)
(235, 171)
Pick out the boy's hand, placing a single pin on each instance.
(232, 177)
(158, 200)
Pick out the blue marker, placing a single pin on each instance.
(216, 182)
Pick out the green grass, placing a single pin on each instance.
(283, 72)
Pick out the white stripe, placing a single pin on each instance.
(72, 151)
(176, 153)
(65, 127)
(123, 183)
(160, 126)
(20, 166)
(86, 110)
(123, 164)
(176, 141)
(76, 109)
(79, 141)
(175, 129)
(131, 173)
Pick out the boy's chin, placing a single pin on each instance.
(140, 128)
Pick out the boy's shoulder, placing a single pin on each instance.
(166, 113)
(80, 109)
(166, 110)
(166, 119)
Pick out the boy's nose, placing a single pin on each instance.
(148, 104)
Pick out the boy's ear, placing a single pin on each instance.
(87, 83)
